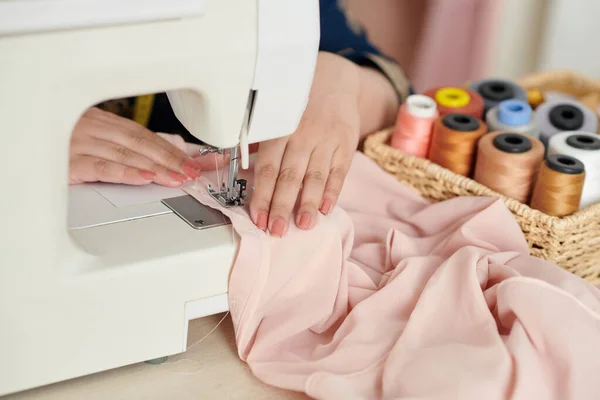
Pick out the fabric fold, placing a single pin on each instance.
(393, 297)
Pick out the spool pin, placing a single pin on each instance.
(564, 115)
(454, 142)
(454, 100)
(494, 91)
(558, 188)
(514, 116)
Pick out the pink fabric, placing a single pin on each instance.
(454, 44)
(392, 297)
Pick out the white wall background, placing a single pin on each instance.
(572, 39)
(534, 35)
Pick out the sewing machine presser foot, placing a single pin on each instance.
(228, 197)
(232, 193)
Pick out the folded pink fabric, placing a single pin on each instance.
(393, 297)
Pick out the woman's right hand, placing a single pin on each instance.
(109, 148)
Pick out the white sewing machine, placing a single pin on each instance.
(118, 283)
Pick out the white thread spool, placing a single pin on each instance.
(514, 116)
(585, 147)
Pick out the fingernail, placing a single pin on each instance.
(326, 206)
(193, 165)
(148, 175)
(278, 227)
(305, 220)
(178, 177)
(261, 221)
(192, 173)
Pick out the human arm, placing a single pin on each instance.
(355, 91)
(346, 102)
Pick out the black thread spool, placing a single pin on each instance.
(495, 91)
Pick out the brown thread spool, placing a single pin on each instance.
(508, 163)
(559, 186)
(454, 142)
(444, 96)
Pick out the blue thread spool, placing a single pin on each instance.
(514, 116)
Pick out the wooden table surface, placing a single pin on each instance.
(208, 370)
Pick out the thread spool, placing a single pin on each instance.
(508, 163)
(535, 98)
(564, 115)
(412, 133)
(493, 91)
(453, 100)
(559, 186)
(454, 142)
(514, 116)
(585, 147)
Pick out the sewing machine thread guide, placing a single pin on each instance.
(196, 214)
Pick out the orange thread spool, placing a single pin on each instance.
(559, 186)
(412, 133)
(454, 142)
(508, 163)
(445, 97)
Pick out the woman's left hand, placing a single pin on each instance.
(311, 164)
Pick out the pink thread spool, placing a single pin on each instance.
(414, 124)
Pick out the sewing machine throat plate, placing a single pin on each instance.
(197, 215)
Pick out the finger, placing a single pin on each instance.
(122, 155)
(340, 164)
(313, 187)
(135, 137)
(289, 181)
(266, 171)
(93, 169)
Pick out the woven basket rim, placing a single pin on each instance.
(558, 75)
(381, 138)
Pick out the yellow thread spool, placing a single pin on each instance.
(452, 97)
(534, 98)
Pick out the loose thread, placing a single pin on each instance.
(169, 365)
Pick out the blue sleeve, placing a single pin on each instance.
(347, 39)
(339, 36)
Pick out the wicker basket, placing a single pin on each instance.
(571, 242)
